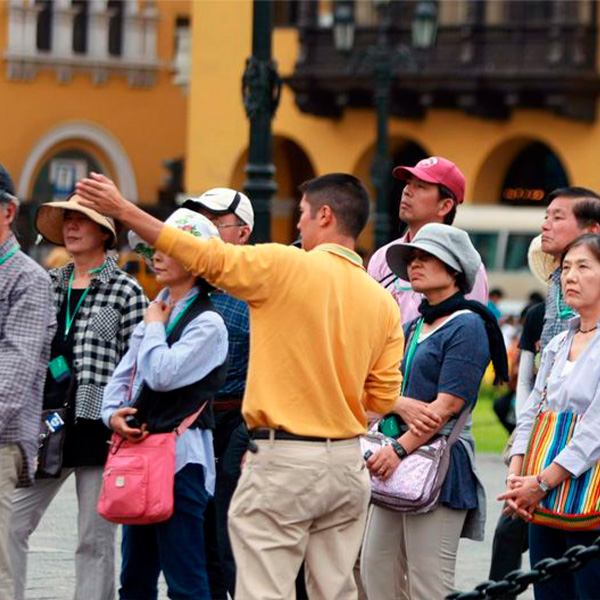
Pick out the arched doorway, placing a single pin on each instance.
(292, 167)
(534, 172)
(90, 138)
(519, 171)
(56, 177)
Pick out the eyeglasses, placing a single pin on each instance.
(219, 226)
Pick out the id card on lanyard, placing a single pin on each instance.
(59, 368)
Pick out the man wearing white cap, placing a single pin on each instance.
(434, 188)
(232, 213)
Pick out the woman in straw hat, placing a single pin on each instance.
(175, 366)
(98, 307)
(409, 555)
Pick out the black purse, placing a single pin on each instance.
(51, 439)
(51, 442)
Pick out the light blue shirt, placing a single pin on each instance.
(577, 390)
(201, 348)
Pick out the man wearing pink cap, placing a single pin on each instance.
(434, 188)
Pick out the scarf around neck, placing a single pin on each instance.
(496, 341)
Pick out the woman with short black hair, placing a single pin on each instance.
(409, 555)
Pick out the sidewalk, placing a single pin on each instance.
(52, 546)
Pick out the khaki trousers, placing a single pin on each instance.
(11, 460)
(299, 501)
(410, 557)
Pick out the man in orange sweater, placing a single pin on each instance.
(325, 345)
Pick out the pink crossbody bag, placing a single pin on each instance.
(139, 478)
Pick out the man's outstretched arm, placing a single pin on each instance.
(100, 193)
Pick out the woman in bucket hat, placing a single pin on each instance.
(177, 361)
(413, 555)
(98, 307)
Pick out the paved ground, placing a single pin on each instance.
(51, 570)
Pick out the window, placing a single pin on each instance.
(487, 245)
(115, 27)
(43, 37)
(80, 26)
(516, 251)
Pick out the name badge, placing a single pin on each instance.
(59, 369)
(54, 422)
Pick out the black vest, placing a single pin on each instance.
(163, 411)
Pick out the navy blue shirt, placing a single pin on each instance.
(237, 320)
(452, 359)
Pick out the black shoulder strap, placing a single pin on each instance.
(201, 304)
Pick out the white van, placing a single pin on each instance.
(502, 235)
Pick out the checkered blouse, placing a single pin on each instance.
(113, 307)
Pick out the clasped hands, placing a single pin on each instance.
(522, 496)
(421, 419)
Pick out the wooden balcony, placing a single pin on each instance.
(487, 70)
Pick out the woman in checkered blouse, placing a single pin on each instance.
(98, 307)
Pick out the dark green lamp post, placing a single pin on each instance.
(381, 58)
(261, 88)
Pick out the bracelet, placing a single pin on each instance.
(399, 449)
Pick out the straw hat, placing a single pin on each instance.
(542, 265)
(49, 219)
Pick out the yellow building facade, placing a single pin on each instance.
(306, 145)
(91, 85)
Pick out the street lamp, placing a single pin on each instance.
(381, 59)
(261, 88)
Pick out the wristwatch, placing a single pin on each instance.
(542, 485)
(399, 449)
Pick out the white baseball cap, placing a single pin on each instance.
(223, 201)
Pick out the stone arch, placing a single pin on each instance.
(490, 177)
(91, 136)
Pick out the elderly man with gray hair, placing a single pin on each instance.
(27, 323)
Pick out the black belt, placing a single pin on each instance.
(279, 434)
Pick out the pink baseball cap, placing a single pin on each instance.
(436, 169)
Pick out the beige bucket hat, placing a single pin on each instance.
(49, 219)
(542, 265)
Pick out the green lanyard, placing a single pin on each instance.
(563, 313)
(181, 313)
(414, 341)
(401, 288)
(10, 253)
(71, 319)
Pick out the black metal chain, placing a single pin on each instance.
(516, 582)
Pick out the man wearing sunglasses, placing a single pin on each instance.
(27, 324)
